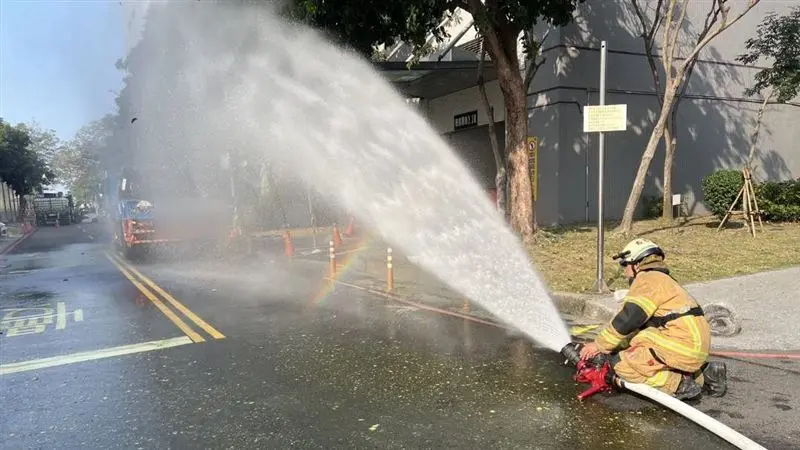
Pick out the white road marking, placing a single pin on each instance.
(61, 316)
(34, 364)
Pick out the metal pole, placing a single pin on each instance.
(600, 284)
(4, 195)
(312, 218)
(233, 190)
(14, 206)
(586, 162)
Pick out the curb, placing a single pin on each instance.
(15, 243)
(593, 307)
(565, 303)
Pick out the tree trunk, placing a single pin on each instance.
(522, 207)
(502, 47)
(754, 137)
(500, 164)
(21, 209)
(669, 161)
(647, 156)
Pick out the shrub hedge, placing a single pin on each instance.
(720, 189)
(779, 201)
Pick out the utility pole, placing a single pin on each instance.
(600, 283)
(602, 119)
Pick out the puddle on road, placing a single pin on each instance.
(26, 299)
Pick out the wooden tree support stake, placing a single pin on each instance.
(749, 205)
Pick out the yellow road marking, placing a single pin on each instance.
(23, 366)
(193, 335)
(174, 302)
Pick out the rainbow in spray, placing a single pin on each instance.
(343, 266)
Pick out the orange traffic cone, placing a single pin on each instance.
(350, 230)
(288, 247)
(337, 237)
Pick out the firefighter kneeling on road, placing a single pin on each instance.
(668, 333)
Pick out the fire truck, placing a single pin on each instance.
(143, 222)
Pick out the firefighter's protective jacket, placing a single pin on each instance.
(664, 318)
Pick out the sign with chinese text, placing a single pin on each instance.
(602, 118)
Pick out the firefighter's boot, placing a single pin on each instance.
(688, 389)
(715, 376)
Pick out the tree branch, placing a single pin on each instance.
(678, 27)
(717, 9)
(711, 18)
(500, 177)
(667, 51)
(754, 137)
(496, 49)
(647, 37)
(532, 65)
(498, 158)
(647, 34)
(724, 25)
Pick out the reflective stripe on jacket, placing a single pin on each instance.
(682, 343)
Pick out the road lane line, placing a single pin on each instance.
(174, 302)
(193, 335)
(61, 360)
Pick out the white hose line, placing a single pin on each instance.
(705, 421)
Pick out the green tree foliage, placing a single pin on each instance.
(77, 163)
(778, 41)
(367, 23)
(20, 166)
(44, 142)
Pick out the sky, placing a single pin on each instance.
(57, 61)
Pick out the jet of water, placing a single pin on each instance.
(288, 94)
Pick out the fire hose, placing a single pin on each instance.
(598, 374)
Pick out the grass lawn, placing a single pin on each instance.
(695, 251)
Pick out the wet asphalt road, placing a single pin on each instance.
(302, 366)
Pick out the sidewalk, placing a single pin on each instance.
(14, 236)
(764, 304)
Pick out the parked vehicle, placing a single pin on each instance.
(52, 208)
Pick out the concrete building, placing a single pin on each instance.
(714, 120)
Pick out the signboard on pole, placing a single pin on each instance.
(603, 118)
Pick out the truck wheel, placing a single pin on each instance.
(130, 253)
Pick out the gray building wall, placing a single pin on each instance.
(471, 146)
(714, 120)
